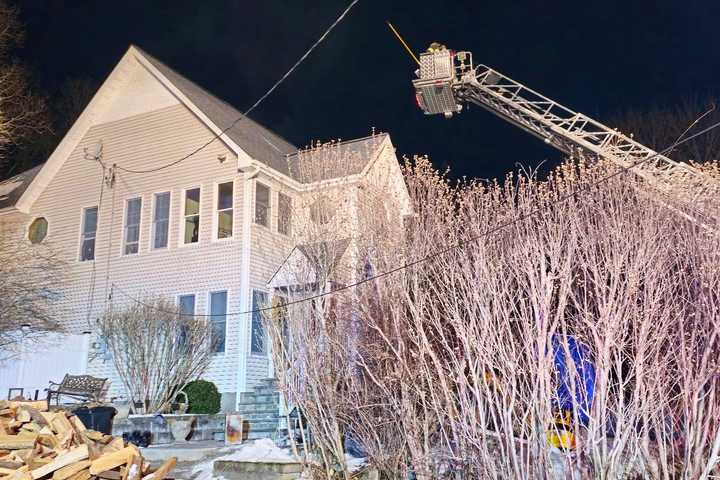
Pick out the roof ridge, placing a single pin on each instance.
(255, 139)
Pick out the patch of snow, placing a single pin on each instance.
(263, 450)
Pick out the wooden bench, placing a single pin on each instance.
(78, 387)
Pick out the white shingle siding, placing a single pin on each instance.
(154, 129)
(141, 142)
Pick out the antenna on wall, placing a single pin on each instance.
(97, 156)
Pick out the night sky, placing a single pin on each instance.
(599, 60)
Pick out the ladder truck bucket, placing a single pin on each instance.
(434, 88)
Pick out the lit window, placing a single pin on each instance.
(257, 338)
(38, 230)
(262, 204)
(284, 210)
(132, 225)
(192, 215)
(225, 210)
(89, 229)
(161, 220)
(218, 312)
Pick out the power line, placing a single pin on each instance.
(459, 244)
(258, 102)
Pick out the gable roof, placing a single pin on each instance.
(256, 140)
(246, 135)
(12, 188)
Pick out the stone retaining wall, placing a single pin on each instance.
(206, 427)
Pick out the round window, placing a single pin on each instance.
(38, 230)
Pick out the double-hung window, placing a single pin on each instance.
(284, 211)
(262, 204)
(186, 308)
(191, 211)
(257, 336)
(218, 312)
(225, 210)
(161, 220)
(89, 230)
(133, 208)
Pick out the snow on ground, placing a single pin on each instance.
(263, 450)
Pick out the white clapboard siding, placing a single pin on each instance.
(141, 142)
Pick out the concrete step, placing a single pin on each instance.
(263, 425)
(268, 381)
(258, 408)
(261, 416)
(252, 398)
(255, 434)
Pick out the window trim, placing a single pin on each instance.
(82, 230)
(181, 239)
(153, 202)
(29, 224)
(208, 311)
(123, 242)
(216, 212)
(264, 353)
(290, 202)
(268, 216)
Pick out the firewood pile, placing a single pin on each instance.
(39, 444)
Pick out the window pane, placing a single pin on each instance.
(132, 225)
(161, 223)
(187, 305)
(192, 201)
(192, 227)
(262, 204)
(88, 249)
(133, 211)
(90, 221)
(218, 309)
(161, 234)
(225, 196)
(284, 207)
(225, 224)
(257, 338)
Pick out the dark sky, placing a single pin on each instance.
(595, 57)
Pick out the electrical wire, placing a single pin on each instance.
(255, 105)
(459, 244)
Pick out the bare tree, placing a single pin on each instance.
(661, 126)
(22, 111)
(155, 350)
(30, 277)
(449, 368)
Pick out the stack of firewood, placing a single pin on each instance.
(38, 444)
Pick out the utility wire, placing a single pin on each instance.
(258, 102)
(459, 244)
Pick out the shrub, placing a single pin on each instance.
(203, 397)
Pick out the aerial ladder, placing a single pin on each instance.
(447, 80)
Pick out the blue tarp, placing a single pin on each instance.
(581, 365)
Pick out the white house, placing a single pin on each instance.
(210, 231)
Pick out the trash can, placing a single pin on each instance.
(97, 418)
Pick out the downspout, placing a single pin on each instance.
(245, 246)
